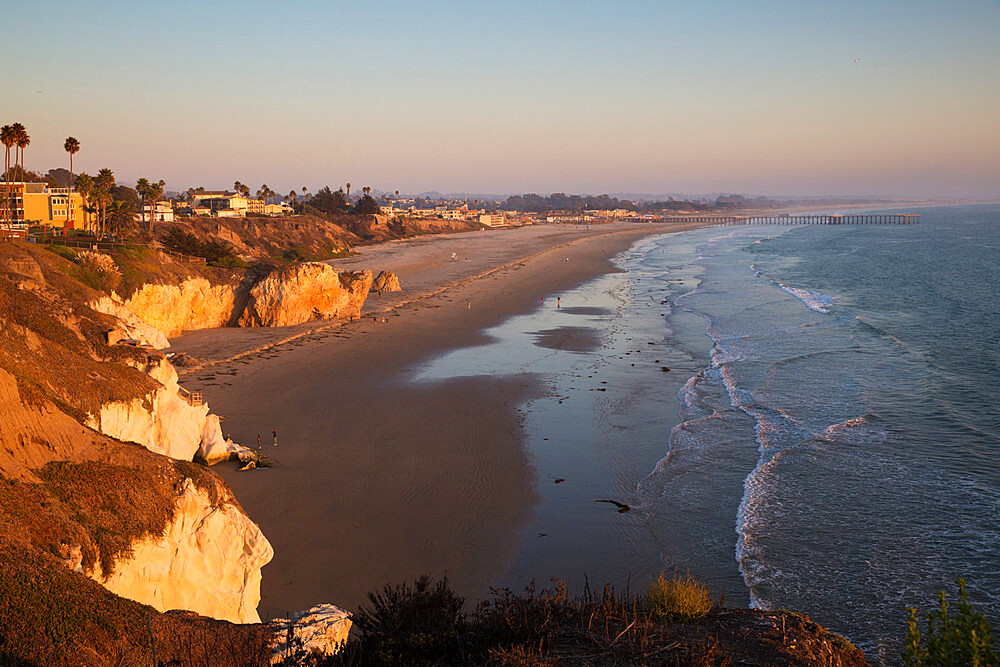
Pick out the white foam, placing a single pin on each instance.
(814, 300)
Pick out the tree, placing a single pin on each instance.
(142, 188)
(366, 205)
(290, 197)
(155, 191)
(72, 146)
(84, 184)
(348, 192)
(7, 137)
(102, 196)
(329, 202)
(120, 216)
(22, 140)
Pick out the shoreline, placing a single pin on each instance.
(359, 442)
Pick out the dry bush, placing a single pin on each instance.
(676, 598)
(102, 266)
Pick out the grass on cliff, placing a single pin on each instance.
(960, 636)
(426, 623)
(677, 597)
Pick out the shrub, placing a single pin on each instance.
(962, 638)
(679, 597)
(214, 251)
(407, 625)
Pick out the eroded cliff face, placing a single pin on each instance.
(131, 324)
(194, 304)
(306, 292)
(163, 422)
(208, 561)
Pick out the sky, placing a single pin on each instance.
(757, 97)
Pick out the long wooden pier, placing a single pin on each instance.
(785, 219)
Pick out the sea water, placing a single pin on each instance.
(826, 437)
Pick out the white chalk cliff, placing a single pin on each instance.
(163, 421)
(207, 561)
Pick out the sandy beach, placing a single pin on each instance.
(378, 479)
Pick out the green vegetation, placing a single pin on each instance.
(676, 598)
(955, 638)
(114, 504)
(215, 252)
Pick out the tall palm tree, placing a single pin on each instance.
(142, 188)
(291, 197)
(155, 192)
(102, 195)
(85, 185)
(72, 146)
(22, 141)
(348, 192)
(8, 140)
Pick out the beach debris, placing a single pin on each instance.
(665, 369)
(559, 480)
(622, 507)
(543, 534)
(249, 465)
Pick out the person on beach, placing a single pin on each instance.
(274, 432)
(259, 443)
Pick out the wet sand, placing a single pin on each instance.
(380, 479)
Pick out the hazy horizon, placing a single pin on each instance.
(519, 97)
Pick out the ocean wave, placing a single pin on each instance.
(814, 300)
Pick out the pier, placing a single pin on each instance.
(786, 219)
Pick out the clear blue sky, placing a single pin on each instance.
(658, 97)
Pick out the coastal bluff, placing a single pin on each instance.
(109, 534)
(265, 297)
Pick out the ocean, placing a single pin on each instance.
(805, 418)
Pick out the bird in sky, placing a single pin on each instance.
(857, 60)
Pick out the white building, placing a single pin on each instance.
(161, 211)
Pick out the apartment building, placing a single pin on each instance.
(38, 204)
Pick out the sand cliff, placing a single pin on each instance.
(276, 298)
(208, 560)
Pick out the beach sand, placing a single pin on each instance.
(378, 479)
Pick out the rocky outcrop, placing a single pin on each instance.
(168, 422)
(208, 561)
(132, 326)
(194, 304)
(306, 292)
(321, 630)
(164, 421)
(387, 281)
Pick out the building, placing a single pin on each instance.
(277, 209)
(220, 204)
(493, 219)
(38, 204)
(161, 211)
(255, 207)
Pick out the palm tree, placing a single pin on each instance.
(8, 140)
(291, 197)
(102, 194)
(142, 189)
(84, 185)
(120, 216)
(72, 146)
(22, 140)
(155, 192)
(348, 192)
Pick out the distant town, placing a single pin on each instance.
(61, 201)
